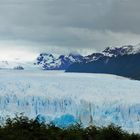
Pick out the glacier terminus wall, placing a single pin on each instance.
(66, 98)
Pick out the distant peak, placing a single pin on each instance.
(115, 51)
(51, 62)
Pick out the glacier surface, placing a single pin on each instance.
(64, 98)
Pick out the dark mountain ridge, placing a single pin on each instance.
(123, 61)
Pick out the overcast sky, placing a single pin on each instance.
(62, 26)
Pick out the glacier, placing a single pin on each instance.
(66, 98)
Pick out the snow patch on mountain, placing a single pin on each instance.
(123, 50)
(113, 52)
(53, 62)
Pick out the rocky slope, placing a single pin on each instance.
(123, 61)
(51, 62)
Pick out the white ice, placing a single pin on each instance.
(98, 99)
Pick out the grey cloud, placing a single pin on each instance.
(70, 24)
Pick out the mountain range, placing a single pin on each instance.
(53, 62)
(122, 61)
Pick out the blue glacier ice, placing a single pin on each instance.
(64, 98)
(65, 120)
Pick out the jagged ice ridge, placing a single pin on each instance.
(65, 98)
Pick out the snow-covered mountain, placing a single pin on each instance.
(114, 52)
(48, 61)
(123, 61)
(53, 62)
(65, 98)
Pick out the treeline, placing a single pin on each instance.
(22, 128)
